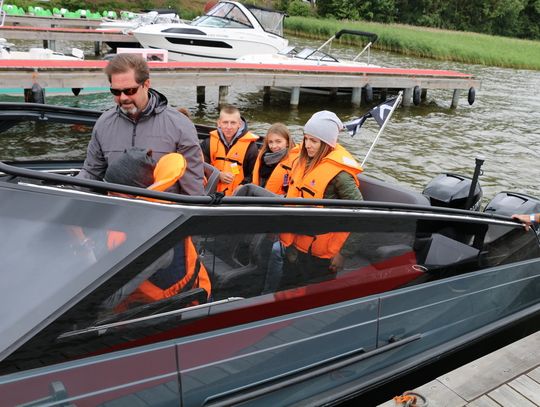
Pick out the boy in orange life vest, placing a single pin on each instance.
(179, 269)
(326, 170)
(231, 149)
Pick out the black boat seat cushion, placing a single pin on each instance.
(375, 190)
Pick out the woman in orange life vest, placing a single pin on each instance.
(179, 269)
(275, 160)
(325, 169)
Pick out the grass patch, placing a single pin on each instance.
(432, 43)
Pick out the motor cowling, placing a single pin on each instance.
(510, 203)
(451, 191)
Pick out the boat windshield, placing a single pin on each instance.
(56, 247)
(271, 21)
(224, 15)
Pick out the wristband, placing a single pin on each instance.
(532, 218)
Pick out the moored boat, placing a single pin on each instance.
(424, 283)
(228, 31)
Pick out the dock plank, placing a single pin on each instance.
(483, 401)
(494, 369)
(507, 396)
(535, 374)
(527, 387)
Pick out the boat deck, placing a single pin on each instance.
(509, 377)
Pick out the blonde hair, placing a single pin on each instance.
(281, 130)
(324, 150)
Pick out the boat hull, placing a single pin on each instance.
(212, 44)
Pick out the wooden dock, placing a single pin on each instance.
(84, 74)
(508, 377)
(17, 32)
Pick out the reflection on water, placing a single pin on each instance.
(419, 142)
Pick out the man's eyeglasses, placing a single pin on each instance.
(127, 91)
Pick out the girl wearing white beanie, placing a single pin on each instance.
(324, 170)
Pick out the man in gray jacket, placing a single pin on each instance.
(142, 119)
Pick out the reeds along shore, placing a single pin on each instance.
(425, 42)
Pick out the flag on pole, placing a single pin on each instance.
(380, 113)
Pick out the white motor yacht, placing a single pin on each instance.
(228, 31)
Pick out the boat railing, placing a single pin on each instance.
(371, 36)
(12, 172)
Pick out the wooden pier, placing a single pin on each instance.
(84, 74)
(508, 377)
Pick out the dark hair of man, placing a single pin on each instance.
(123, 63)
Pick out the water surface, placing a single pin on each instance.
(419, 143)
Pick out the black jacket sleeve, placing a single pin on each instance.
(249, 162)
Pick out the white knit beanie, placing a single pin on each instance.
(325, 126)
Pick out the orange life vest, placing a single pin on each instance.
(312, 185)
(278, 181)
(195, 276)
(169, 169)
(231, 161)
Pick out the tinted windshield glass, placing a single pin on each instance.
(55, 247)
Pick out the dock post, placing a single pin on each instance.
(356, 98)
(201, 94)
(266, 94)
(97, 48)
(455, 99)
(407, 97)
(223, 92)
(423, 95)
(295, 96)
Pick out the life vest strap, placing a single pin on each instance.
(229, 159)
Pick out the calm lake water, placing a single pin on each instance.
(420, 142)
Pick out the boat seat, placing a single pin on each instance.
(237, 265)
(375, 190)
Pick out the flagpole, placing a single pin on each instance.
(396, 104)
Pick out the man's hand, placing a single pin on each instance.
(226, 177)
(525, 219)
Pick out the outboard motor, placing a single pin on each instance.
(452, 191)
(456, 191)
(509, 203)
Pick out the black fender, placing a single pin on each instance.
(416, 95)
(471, 96)
(368, 93)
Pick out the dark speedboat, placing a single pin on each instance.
(426, 288)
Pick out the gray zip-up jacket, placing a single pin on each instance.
(159, 128)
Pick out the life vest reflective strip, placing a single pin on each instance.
(313, 185)
(222, 160)
(280, 176)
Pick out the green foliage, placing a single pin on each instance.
(299, 8)
(458, 46)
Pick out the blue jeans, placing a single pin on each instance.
(275, 268)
